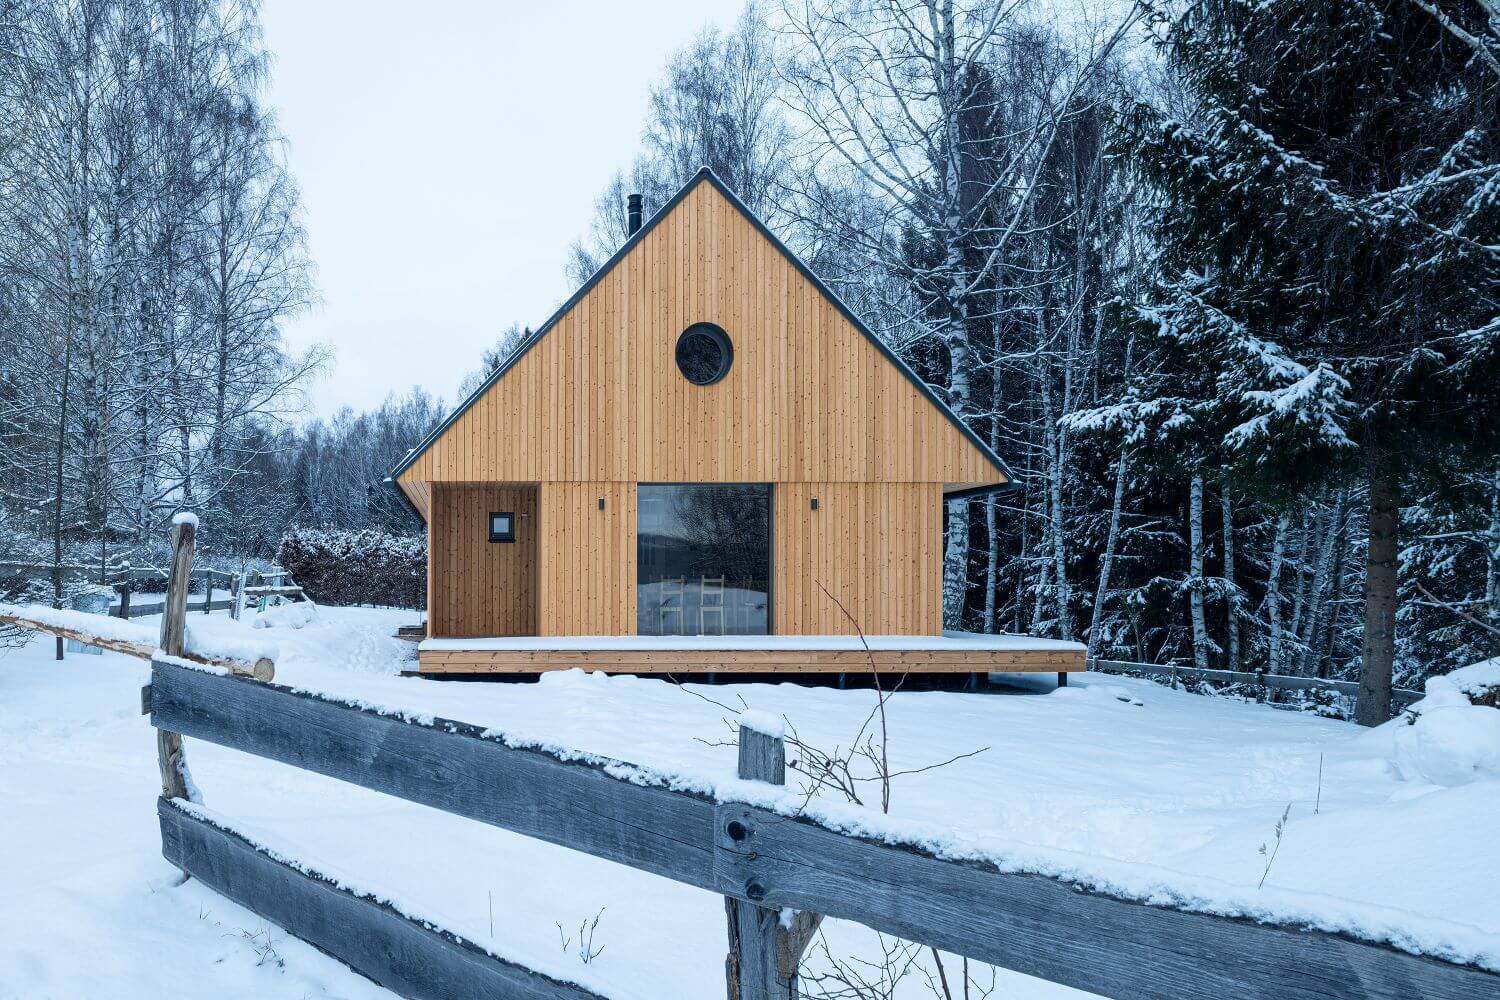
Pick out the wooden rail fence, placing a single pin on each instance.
(136, 641)
(1400, 697)
(131, 584)
(758, 859)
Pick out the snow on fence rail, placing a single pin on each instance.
(140, 641)
(1400, 697)
(758, 858)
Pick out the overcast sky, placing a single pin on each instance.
(448, 156)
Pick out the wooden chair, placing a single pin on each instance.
(711, 604)
(672, 588)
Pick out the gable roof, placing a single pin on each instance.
(706, 175)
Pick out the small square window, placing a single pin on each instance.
(502, 526)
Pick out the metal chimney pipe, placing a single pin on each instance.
(633, 214)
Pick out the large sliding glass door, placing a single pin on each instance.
(703, 559)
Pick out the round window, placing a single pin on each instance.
(704, 354)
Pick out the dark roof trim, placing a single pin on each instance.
(705, 174)
(406, 500)
(979, 492)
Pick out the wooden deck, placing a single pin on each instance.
(951, 653)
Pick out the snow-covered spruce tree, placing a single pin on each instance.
(1330, 240)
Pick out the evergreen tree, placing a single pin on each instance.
(1330, 249)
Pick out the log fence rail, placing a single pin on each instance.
(1400, 697)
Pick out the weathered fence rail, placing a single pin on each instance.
(134, 610)
(1031, 923)
(76, 570)
(1400, 697)
(405, 955)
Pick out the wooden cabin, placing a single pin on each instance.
(703, 461)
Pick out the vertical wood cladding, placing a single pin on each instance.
(599, 397)
(588, 559)
(477, 587)
(877, 547)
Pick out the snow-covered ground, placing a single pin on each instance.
(1117, 780)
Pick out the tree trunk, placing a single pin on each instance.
(1317, 613)
(1057, 542)
(1273, 593)
(1335, 604)
(1112, 537)
(1378, 653)
(992, 564)
(1232, 590)
(1023, 559)
(57, 481)
(1106, 561)
(956, 565)
(1492, 569)
(1292, 636)
(1043, 584)
(1195, 595)
(991, 525)
(1059, 553)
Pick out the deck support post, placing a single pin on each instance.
(173, 641)
(763, 954)
(1062, 679)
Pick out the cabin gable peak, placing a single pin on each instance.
(800, 372)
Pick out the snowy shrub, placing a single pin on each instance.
(1451, 745)
(1479, 682)
(294, 615)
(1452, 736)
(356, 567)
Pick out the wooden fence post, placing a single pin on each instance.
(236, 594)
(124, 589)
(169, 754)
(763, 953)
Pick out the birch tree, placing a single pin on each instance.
(900, 103)
(149, 250)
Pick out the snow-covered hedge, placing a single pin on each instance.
(356, 567)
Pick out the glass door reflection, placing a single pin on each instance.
(703, 559)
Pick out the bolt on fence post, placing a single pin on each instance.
(763, 952)
(750, 967)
